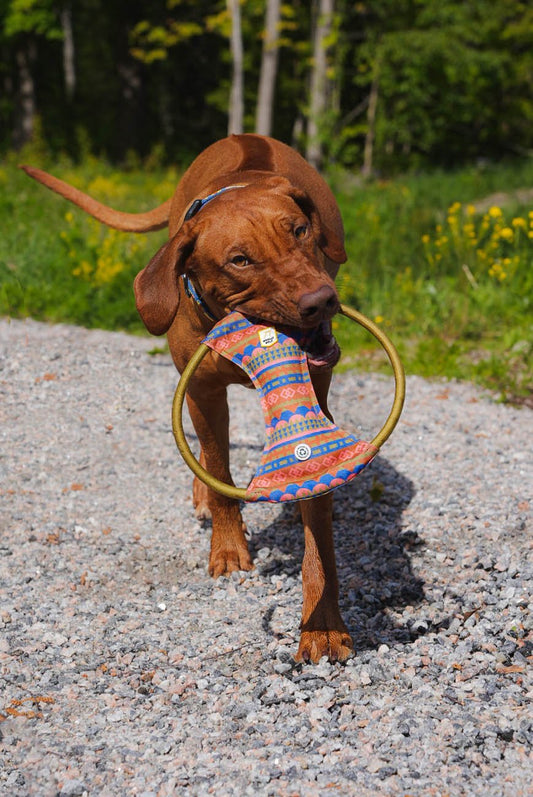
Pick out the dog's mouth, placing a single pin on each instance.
(317, 342)
(320, 346)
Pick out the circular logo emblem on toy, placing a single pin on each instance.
(302, 452)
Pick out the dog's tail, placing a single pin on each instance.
(154, 219)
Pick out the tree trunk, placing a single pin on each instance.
(69, 68)
(269, 68)
(318, 94)
(236, 107)
(368, 155)
(129, 121)
(25, 123)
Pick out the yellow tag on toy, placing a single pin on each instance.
(268, 337)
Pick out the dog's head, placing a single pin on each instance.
(260, 249)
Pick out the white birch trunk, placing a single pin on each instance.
(236, 106)
(269, 68)
(25, 126)
(368, 155)
(69, 68)
(318, 92)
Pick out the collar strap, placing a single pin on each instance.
(199, 203)
(196, 206)
(191, 291)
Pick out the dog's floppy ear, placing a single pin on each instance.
(156, 286)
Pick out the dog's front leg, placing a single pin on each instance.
(323, 630)
(208, 408)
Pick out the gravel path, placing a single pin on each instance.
(126, 670)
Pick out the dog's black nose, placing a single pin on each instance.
(318, 305)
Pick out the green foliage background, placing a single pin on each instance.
(455, 79)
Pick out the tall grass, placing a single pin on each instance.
(57, 263)
(448, 275)
(450, 281)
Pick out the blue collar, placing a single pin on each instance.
(199, 203)
(196, 206)
(191, 291)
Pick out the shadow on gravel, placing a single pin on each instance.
(373, 555)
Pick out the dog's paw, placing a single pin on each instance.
(202, 512)
(224, 562)
(336, 645)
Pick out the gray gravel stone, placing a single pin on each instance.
(124, 669)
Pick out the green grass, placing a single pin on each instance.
(57, 264)
(452, 288)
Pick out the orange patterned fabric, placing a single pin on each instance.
(305, 453)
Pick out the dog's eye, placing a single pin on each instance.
(300, 232)
(240, 261)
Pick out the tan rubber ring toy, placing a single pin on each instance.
(239, 493)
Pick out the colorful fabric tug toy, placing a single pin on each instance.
(305, 454)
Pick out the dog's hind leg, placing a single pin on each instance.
(200, 495)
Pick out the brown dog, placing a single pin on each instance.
(252, 228)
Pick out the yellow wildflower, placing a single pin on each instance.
(106, 269)
(495, 212)
(470, 231)
(496, 271)
(83, 270)
(506, 234)
(106, 186)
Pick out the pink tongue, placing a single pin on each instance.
(327, 358)
(329, 353)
